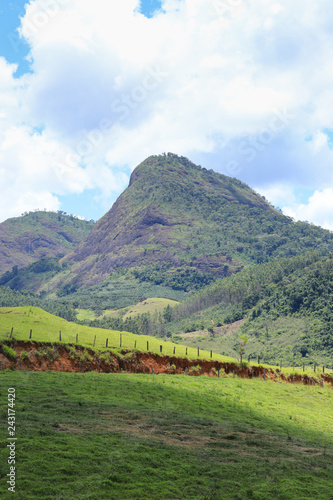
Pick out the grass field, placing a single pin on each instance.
(45, 328)
(150, 305)
(159, 437)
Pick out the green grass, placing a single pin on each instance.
(150, 305)
(45, 328)
(147, 437)
(85, 314)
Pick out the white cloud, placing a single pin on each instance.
(278, 194)
(201, 78)
(318, 210)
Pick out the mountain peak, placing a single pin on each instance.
(173, 213)
(166, 165)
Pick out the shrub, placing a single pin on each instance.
(9, 352)
(71, 351)
(105, 357)
(195, 369)
(51, 354)
(86, 355)
(24, 355)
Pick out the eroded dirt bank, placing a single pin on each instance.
(41, 356)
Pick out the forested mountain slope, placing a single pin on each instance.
(180, 225)
(26, 239)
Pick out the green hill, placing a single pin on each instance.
(46, 327)
(36, 235)
(177, 228)
(182, 226)
(285, 305)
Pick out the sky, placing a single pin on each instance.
(88, 90)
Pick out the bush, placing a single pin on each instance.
(24, 355)
(9, 352)
(195, 369)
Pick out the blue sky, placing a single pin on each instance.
(89, 89)
(11, 47)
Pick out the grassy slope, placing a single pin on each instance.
(126, 437)
(45, 328)
(26, 239)
(151, 306)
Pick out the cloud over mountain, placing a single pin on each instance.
(243, 87)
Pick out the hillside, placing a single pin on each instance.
(180, 225)
(283, 307)
(35, 235)
(177, 228)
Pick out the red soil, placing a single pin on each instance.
(135, 362)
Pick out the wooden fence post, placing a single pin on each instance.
(211, 354)
(198, 352)
(135, 345)
(60, 336)
(258, 360)
(11, 332)
(30, 334)
(218, 373)
(186, 352)
(77, 338)
(147, 345)
(121, 340)
(314, 368)
(107, 343)
(264, 374)
(94, 341)
(174, 350)
(160, 348)
(323, 369)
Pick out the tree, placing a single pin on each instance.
(242, 343)
(167, 313)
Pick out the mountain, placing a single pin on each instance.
(36, 235)
(177, 228)
(181, 225)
